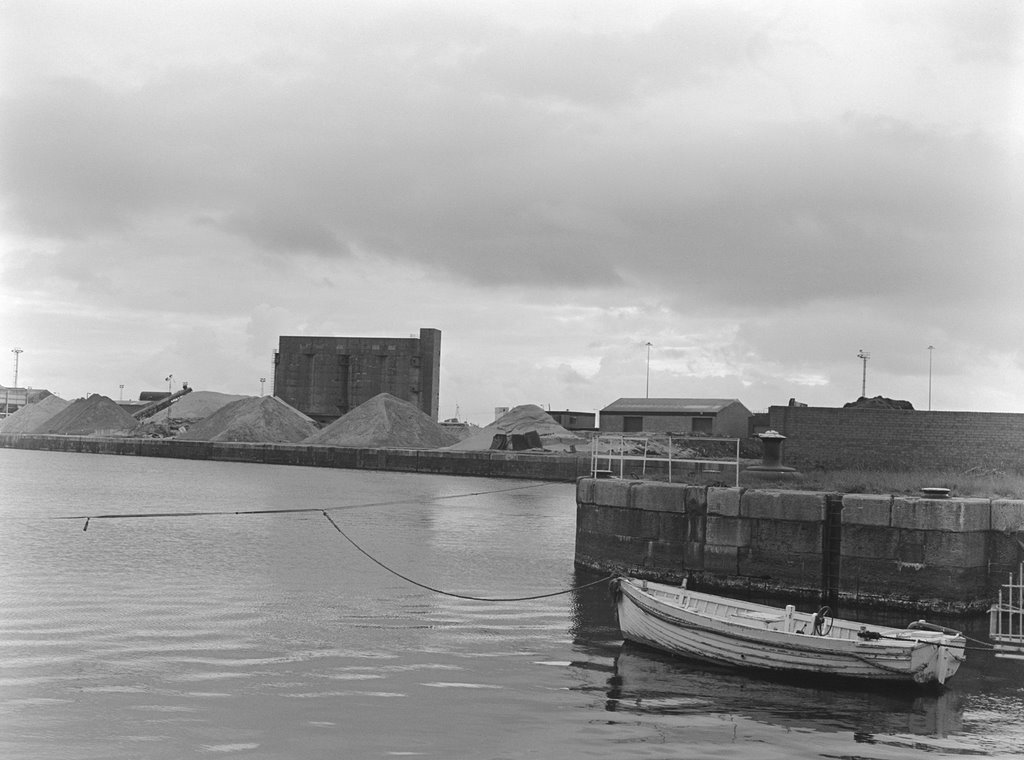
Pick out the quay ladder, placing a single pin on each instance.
(1006, 618)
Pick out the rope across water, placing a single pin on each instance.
(324, 512)
(451, 593)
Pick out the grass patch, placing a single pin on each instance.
(991, 484)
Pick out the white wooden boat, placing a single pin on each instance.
(738, 633)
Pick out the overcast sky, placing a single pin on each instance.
(760, 190)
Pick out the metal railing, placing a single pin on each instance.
(611, 452)
(1006, 619)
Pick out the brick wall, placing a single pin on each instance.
(899, 439)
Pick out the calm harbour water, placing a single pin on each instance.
(270, 636)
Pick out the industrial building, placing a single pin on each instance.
(326, 377)
(12, 399)
(575, 421)
(704, 416)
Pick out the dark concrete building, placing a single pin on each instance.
(325, 377)
(581, 421)
(709, 416)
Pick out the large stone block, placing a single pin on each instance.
(1008, 515)
(872, 541)
(696, 527)
(728, 531)
(866, 509)
(780, 537)
(724, 501)
(587, 518)
(721, 560)
(664, 555)
(659, 497)
(619, 521)
(696, 498)
(910, 548)
(693, 555)
(807, 506)
(1005, 553)
(613, 493)
(585, 491)
(956, 550)
(674, 526)
(957, 515)
(866, 577)
(800, 570)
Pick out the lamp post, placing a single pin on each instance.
(170, 380)
(17, 355)
(647, 393)
(930, 349)
(864, 356)
(7, 396)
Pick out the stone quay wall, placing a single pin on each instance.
(488, 464)
(934, 555)
(907, 439)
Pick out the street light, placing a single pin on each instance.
(7, 394)
(169, 379)
(864, 356)
(648, 391)
(930, 349)
(17, 354)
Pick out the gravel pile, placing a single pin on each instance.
(253, 419)
(31, 416)
(384, 422)
(198, 405)
(95, 415)
(521, 421)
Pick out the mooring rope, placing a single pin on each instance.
(406, 578)
(281, 511)
(324, 511)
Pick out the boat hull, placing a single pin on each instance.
(734, 633)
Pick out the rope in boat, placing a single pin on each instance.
(985, 646)
(406, 578)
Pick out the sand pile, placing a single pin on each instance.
(530, 425)
(253, 419)
(88, 416)
(384, 422)
(200, 404)
(31, 416)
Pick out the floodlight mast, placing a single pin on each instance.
(864, 356)
(647, 393)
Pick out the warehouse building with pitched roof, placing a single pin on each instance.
(725, 417)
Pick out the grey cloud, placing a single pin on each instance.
(438, 144)
(279, 231)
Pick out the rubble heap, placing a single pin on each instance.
(534, 427)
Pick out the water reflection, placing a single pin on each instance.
(648, 685)
(648, 682)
